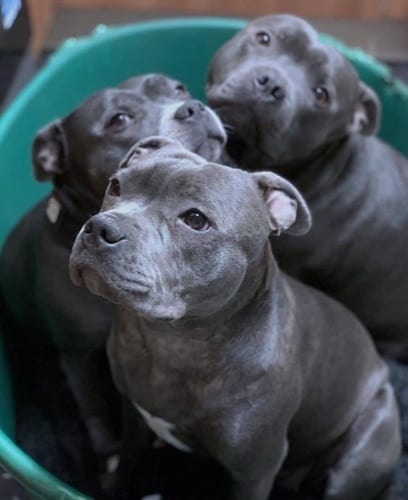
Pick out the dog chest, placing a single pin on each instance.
(163, 429)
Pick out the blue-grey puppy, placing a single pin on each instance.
(79, 153)
(219, 351)
(297, 107)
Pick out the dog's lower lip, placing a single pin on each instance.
(218, 138)
(140, 288)
(136, 287)
(77, 276)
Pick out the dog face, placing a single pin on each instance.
(176, 235)
(86, 147)
(283, 94)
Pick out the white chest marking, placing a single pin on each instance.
(162, 429)
(53, 210)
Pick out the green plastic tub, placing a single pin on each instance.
(181, 48)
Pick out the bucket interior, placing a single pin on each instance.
(180, 48)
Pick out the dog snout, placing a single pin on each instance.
(189, 109)
(269, 85)
(102, 230)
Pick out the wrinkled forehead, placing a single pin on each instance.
(152, 80)
(291, 39)
(134, 93)
(178, 178)
(101, 105)
(288, 31)
(153, 86)
(291, 36)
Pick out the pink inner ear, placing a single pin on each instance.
(282, 210)
(49, 158)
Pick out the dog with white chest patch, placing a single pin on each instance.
(297, 107)
(78, 153)
(219, 351)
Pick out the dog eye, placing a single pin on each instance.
(180, 90)
(321, 95)
(119, 121)
(196, 220)
(263, 38)
(114, 188)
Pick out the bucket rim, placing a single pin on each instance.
(34, 478)
(71, 47)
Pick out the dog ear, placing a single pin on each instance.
(49, 151)
(367, 114)
(288, 212)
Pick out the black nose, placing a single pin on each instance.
(269, 86)
(189, 109)
(103, 230)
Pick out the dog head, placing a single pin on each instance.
(284, 95)
(84, 148)
(178, 236)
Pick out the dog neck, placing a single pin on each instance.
(322, 169)
(69, 207)
(222, 329)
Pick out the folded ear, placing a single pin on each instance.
(49, 151)
(367, 114)
(288, 212)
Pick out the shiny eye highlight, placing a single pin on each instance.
(196, 220)
(321, 95)
(119, 121)
(114, 188)
(263, 38)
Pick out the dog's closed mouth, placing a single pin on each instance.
(87, 276)
(217, 137)
(77, 276)
(138, 288)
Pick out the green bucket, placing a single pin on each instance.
(181, 48)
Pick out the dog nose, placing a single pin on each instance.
(189, 109)
(103, 230)
(269, 86)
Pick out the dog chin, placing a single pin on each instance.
(158, 312)
(76, 274)
(96, 285)
(84, 275)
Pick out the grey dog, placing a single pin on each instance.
(217, 349)
(78, 154)
(297, 107)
